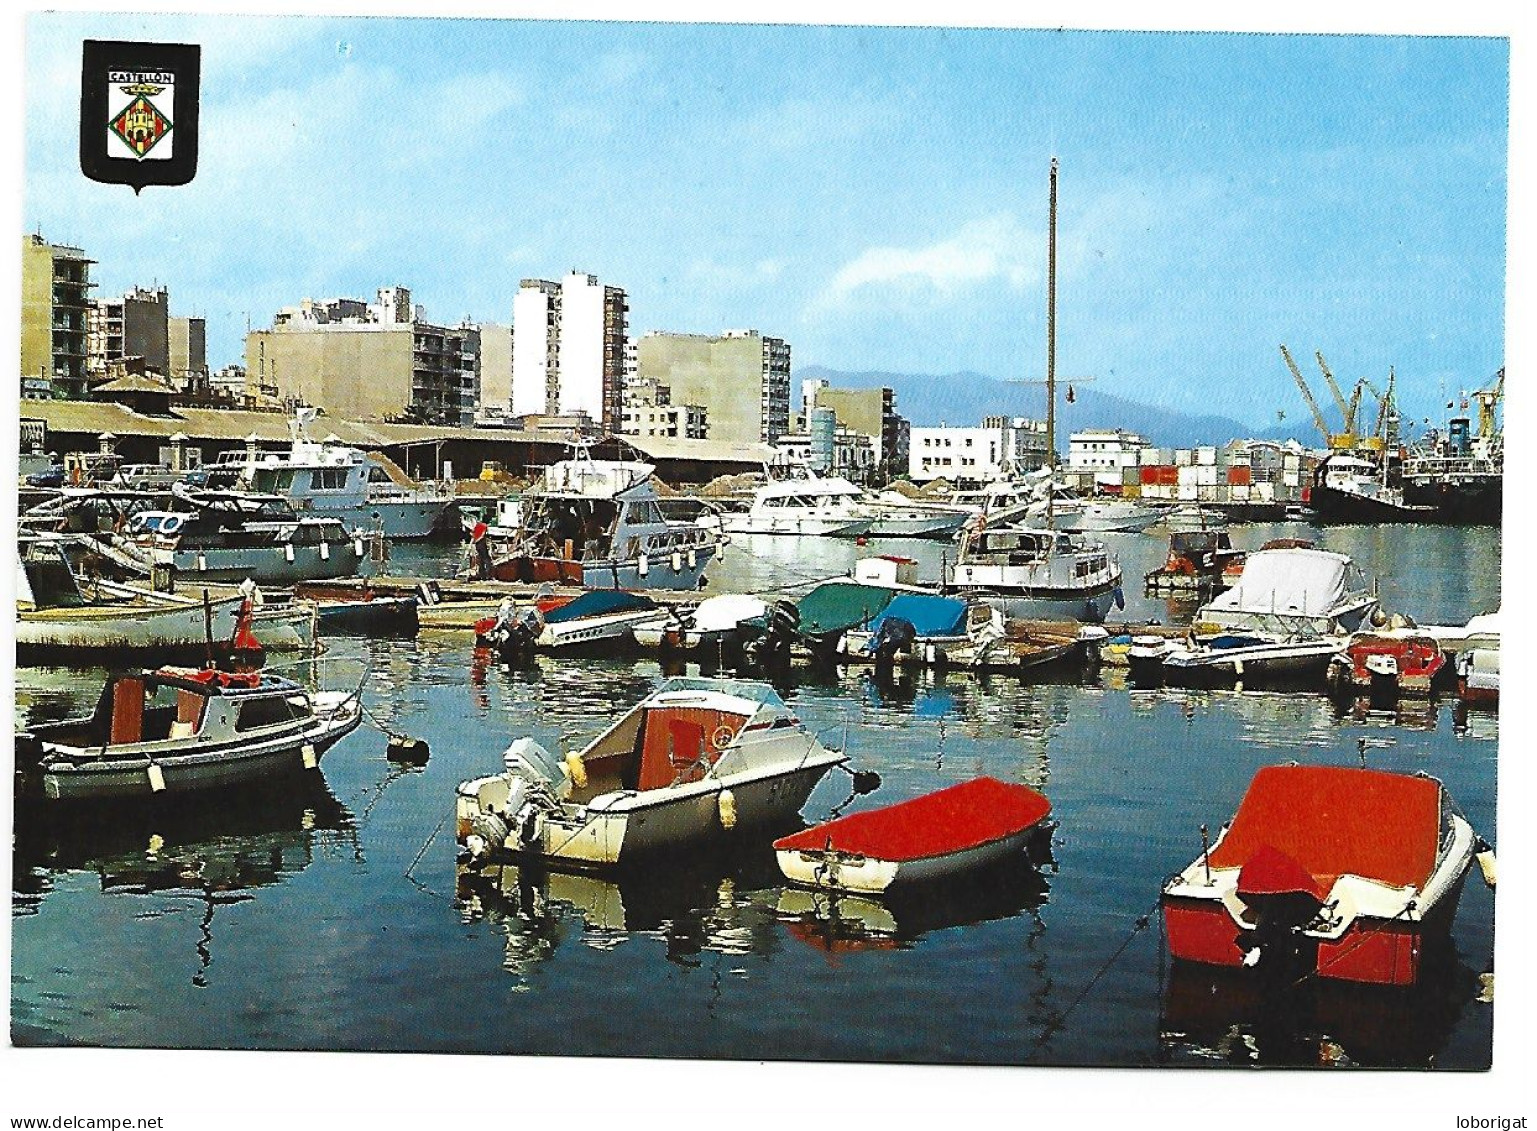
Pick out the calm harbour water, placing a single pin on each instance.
(337, 919)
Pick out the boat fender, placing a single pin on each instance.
(490, 829)
(325, 551)
(643, 567)
(1238, 667)
(357, 546)
(726, 805)
(156, 779)
(202, 563)
(475, 844)
(677, 562)
(308, 756)
(577, 770)
(1485, 860)
(693, 558)
(288, 551)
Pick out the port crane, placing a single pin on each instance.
(1488, 401)
(1346, 440)
(1307, 395)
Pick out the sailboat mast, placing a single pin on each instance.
(1051, 325)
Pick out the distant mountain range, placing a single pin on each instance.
(965, 398)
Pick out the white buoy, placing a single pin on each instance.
(726, 805)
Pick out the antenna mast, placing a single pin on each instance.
(1051, 326)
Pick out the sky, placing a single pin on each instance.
(877, 197)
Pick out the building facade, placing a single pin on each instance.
(495, 372)
(872, 412)
(740, 378)
(187, 345)
(1003, 445)
(1103, 449)
(55, 301)
(568, 350)
(369, 361)
(135, 325)
(852, 456)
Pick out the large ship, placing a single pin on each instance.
(1462, 475)
(1349, 489)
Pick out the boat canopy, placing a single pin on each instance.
(1338, 821)
(836, 606)
(929, 615)
(727, 611)
(950, 820)
(599, 602)
(1292, 581)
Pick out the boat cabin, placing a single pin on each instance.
(1021, 546)
(174, 704)
(679, 734)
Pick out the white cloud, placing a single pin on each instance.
(995, 248)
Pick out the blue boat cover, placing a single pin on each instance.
(929, 615)
(599, 602)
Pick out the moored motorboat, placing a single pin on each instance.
(713, 624)
(597, 523)
(697, 759)
(1029, 572)
(1478, 677)
(173, 731)
(1293, 591)
(1390, 662)
(1238, 656)
(602, 618)
(804, 504)
(1339, 873)
(936, 837)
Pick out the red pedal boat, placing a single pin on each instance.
(1342, 873)
(1406, 664)
(936, 836)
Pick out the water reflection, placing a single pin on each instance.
(1222, 1016)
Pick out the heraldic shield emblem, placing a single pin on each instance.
(139, 112)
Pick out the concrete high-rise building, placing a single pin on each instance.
(495, 370)
(870, 412)
(569, 349)
(135, 325)
(740, 378)
(55, 300)
(187, 344)
(369, 361)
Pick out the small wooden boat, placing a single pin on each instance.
(174, 731)
(934, 837)
(369, 614)
(1341, 873)
(696, 760)
(1478, 677)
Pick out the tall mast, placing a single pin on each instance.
(1051, 326)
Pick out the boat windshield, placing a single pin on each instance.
(759, 693)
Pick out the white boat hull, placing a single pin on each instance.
(812, 526)
(869, 875)
(125, 628)
(175, 767)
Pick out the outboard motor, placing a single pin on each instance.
(781, 625)
(515, 636)
(1283, 899)
(894, 635)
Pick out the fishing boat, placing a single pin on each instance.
(230, 536)
(1349, 489)
(1404, 662)
(597, 523)
(1036, 573)
(698, 759)
(173, 731)
(329, 478)
(937, 837)
(1340, 873)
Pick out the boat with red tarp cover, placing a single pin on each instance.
(1338, 872)
(936, 836)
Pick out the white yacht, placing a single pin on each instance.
(816, 506)
(330, 479)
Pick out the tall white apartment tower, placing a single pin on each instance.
(569, 349)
